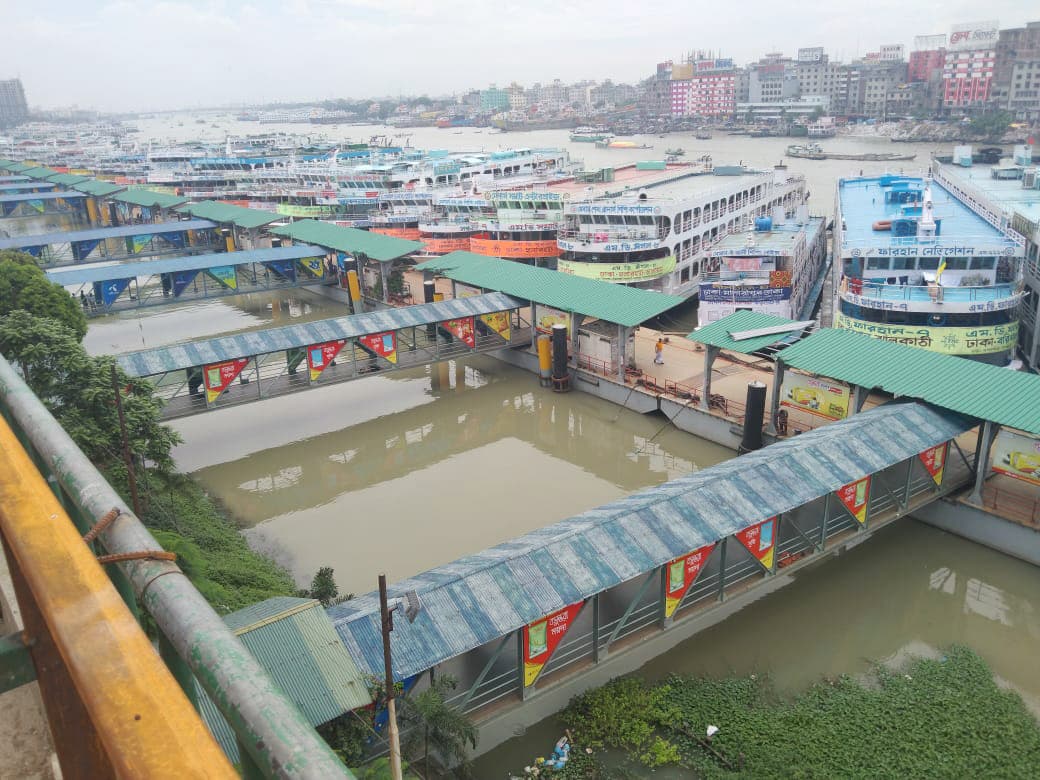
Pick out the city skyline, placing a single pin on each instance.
(118, 56)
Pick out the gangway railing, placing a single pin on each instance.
(274, 739)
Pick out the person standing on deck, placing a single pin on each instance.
(659, 352)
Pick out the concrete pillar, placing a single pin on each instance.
(534, 326)
(710, 353)
(575, 319)
(622, 352)
(774, 396)
(384, 276)
(982, 448)
(859, 397)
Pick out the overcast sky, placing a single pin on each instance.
(143, 55)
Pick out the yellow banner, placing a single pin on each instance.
(1017, 456)
(618, 272)
(981, 340)
(820, 397)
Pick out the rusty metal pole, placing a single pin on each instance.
(127, 458)
(391, 711)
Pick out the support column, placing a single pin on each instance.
(534, 326)
(710, 353)
(982, 448)
(622, 352)
(384, 277)
(859, 397)
(595, 628)
(774, 396)
(575, 318)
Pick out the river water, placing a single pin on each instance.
(401, 473)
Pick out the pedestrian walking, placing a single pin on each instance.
(659, 352)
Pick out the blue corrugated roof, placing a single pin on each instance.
(197, 353)
(481, 597)
(99, 273)
(100, 234)
(41, 196)
(17, 186)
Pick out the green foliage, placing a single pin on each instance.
(992, 124)
(323, 586)
(941, 718)
(348, 734)
(430, 727)
(380, 770)
(24, 287)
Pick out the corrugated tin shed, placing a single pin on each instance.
(41, 196)
(718, 333)
(349, 240)
(259, 342)
(20, 167)
(976, 389)
(149, 199)
(294, 641)
(67, 179)
(481, 597)
(95, 272)
(20, 186)
(97, 187)
(100, 234)
(628, 306)
(39, 173)
(230, 214)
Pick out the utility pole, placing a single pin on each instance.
(391, 728)
(127, 458)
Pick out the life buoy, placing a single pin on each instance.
(883, 224)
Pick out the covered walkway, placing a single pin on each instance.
(35, 204)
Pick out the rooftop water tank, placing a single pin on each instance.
(962, 156)
(1023, 155)
(763, 224)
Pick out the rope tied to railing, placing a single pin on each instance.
(104, 522)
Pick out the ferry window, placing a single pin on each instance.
(684, 275)
(585, 219)
(957, 263)
(877, 263)
(927, 263)
(599, 219)
(616, 220)
(646, 220)
(983, 263)
(902, 263)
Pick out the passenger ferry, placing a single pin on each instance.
(658, 237)
(921, 265)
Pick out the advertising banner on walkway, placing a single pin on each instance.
(819, 397)
(110, 289)
(134, 244)
(760, 541)
(320, 356)
(181, 279)
(225, 274)
(498, 322)
(681, 574)
(313, 265)
(219, 375)
(462, 329)
(1017, 455)
(855, 497)
(383, 344)
(546, 316)
(934, 459)
(543, 636)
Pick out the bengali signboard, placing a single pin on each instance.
(819, 397)
(974, 35)
(383, 344)
(681, 574)
(1017, 455)
(445, 245)
(321, 356)
(720, 292)
(855, 497)
(934, 460)
(218, 376)
(543, 636)
(981, 340)
(760, 541)
(494, 248)
(462, 329)
(619, 272)
(411, 234)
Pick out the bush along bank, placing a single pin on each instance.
(943, 718)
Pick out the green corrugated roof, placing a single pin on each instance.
(20, 168)
(5, 163)
(350, 240)
(988, 392)
(717, 334)
(628, 306)
(67, 179)
(150, 199)
(230, 214)
(295, 642)
(97, 187)
(39, 173)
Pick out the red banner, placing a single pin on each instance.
(934, 459)
(760, 541)
(855, 496)
(219, 375)
(320, 356)
(462, 329)
(681, 574)
(383, 344)
(542, 637)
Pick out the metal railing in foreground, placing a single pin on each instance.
(275, 740)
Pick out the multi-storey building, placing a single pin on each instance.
(713, 93)
(876, 81)
(13, 108)
(968, 67)
(927, 58)
(772, 80)
(494, 99)
(1023, 96)
(681, 79)
(1016, 71)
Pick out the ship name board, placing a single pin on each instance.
(624, 246)
(590, 208)
(933, 251)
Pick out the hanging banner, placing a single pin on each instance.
(82, 249)
(175, 239)
(135, 244)
(546, 316)
(182, 279)
(462, 329)
(681, 574)
(110, 289)
(314, 265)
(542, 637)
(819, 397)
(1017, 455)
(225, 274)
(855, 496)
(934, 459)
(283, 268)
(320, 356)
(219, 375)
(498, 322)
(760, 541)
(383, 344)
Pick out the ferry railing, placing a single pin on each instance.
(274, 739)
(924, 293)
(1012, 505)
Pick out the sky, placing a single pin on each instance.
(147, 55)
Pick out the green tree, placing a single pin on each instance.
(991, 124)
(24, 286)
(323, 586)
(430, 726)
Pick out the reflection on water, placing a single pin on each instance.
(412, 471)
(131, 330)
(908, 592)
